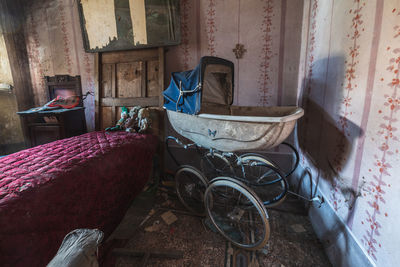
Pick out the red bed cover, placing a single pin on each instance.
(86, 181)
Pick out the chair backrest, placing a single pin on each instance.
(64, 85)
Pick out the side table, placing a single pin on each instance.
(45, 126)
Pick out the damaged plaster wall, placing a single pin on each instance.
(99, 12)
(5, 70)
(55, 47)
(270, 32)
(349, 135)
(11, 137)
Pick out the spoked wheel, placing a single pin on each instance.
(296, 158)
(215, 165)
(265, 178)
(190, 186)
(237, 213)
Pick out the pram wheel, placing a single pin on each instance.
(237, 213)
(190, 186)
(215, 165)
(265, 178)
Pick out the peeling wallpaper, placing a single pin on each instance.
(100, 12)
(55, 46)
(349, 135)
(270, 64)
(350, 87)
(10, 127)
(269, 30)
(5, 70)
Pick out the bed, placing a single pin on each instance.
(85, 181)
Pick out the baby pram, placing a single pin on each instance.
(232, 189)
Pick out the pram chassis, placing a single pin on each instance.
(195, 193)
(230, 188)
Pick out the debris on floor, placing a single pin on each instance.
(151, 213)
(169, 218)
(154, 227)
(298, 228)
(171, 228)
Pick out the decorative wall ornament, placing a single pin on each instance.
(185, 47)
(239, 50)
(66, 41)
(211, 27)
(267, 54)
(379, 184)
(350, 85)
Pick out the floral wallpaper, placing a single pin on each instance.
(54, 44)
(352, 84)
(55, 47)
(349, 88)
(256, 25)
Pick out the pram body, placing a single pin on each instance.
(233, 189)
(199, 108)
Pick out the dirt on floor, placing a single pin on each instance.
(292, 241)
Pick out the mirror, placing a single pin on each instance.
(111, 25)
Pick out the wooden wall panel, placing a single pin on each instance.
(106, 119)
(153, 86)
(129, 79)
(130, 56)
(108, 83)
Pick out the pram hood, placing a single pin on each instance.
(211, 82)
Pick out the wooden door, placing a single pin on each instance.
(128, 78)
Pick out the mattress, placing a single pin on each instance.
(86, 181)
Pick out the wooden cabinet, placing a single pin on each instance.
(46, 126)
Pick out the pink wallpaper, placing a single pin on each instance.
(214, 28)
(350, 88)
(265, 76)
(54, 45)
(349, 133)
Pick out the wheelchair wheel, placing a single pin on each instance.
(215, 165)
(238, 214)
(190, 186)
(265, 178)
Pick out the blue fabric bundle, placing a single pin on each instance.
(184, 94)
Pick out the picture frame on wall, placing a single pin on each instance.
(113, 25)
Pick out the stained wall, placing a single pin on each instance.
(55, 47)
(270, 31)
(11, 138)
(5, 70)
(349, 137)
(349, 82)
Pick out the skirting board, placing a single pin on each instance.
(341, 246)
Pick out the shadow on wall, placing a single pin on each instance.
(11, 137)
(325, 135)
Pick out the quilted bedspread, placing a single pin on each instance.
(86, 181)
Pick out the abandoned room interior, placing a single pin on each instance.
(199, 132)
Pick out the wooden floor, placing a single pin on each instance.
(292, 241)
